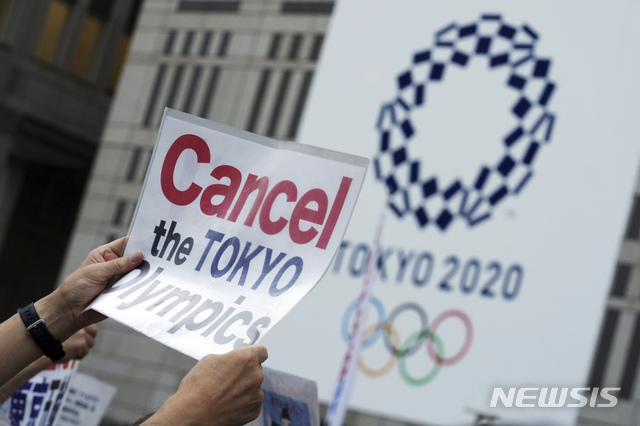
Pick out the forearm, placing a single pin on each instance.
(19, 349)
(20, 379)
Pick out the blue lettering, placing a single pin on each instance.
(267, 267)
(213, 236)
(295, 262)
(217, 272)
(243, 263)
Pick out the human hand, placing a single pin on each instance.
(83, 285)
(76, 347)
(79, 345)
(219, 390)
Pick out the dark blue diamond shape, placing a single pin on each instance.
(407, 128)
(460, 58)
(507, 31)
(484, 43)
(404, 80)
(444, 219)
(521, 108)
(516, 81)
(399, 156)
(429, 188)
(506, 165)
(437, 70)
(541, 68)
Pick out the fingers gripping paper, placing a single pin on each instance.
(235, 229)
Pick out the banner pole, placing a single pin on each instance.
(338, 408)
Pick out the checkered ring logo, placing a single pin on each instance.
(410, 188)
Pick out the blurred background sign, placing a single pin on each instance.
(504, 152)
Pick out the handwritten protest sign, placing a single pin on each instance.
(38, 402)
(235, 229)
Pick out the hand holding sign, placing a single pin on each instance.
(235, 229)
(89, 280)
(224, 388)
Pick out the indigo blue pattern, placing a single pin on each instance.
(409, 189)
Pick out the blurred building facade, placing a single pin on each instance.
(59, 63)
(245, 63)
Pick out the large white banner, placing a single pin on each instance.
(235, 229)
(504, 144)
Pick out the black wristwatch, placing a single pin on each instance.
(38, 330)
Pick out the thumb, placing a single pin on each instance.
(260, 352)
(120, 266)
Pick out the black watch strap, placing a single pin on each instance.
(38, 330)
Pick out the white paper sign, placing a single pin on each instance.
(86, 402)
(507, 134)
(235, 229)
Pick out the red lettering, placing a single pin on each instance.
(302, 212)
(269, 227)
(218, 199)
(252, 184)
(184, 142)
(334, 214)
(227, 191)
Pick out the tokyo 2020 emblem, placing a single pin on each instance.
(411, 189)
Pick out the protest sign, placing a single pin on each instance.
(86, 402)
(235, 229)
(38, 402)
(288, 401)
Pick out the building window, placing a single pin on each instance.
(168, 42)
(633, 226)
(88, 38)
(210, 91)
(206, 42)
(188, 40)
(307, 7)
(603, 349)
(208, 6)
(631, 364)
(316, 47)
(276, 39)
(51, 30)
(148, 118)
(294, 49)
(621, 279)
(4, 9)
(224, 44)
(259, 100)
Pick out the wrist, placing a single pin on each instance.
(57, 316)
(175, 410)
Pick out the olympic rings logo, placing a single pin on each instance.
(400, 350)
